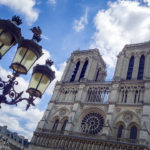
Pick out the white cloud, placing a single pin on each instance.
(53, 2)
(80, 24)
(147, 2)
(19, 120)
(124, 22)
(16, 118)
(25, 7)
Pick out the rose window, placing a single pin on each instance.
(92, 123)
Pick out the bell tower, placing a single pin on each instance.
(84, 65)
(72, 97)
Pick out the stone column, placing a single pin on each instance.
(85, 146)
(124, 68)
(70, 144)
(129, 97)
(114, 94)
(81, 146)
(79, 71)
(91, 69)
(89, 146)
(73, 144)
(146, 96)
(144, 135)
(77, 145)
(68, 70)
(146, 66)
(119, 67)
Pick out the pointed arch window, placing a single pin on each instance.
(97, 74)
(64, 125)
(83, 70)
(135, 96)
(130, 68)
(120, 130)
(141, 68)
(75, 72)
(55, 124)
(126, 96)
(133, 132)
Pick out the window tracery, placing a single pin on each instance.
(92, 123)
(130, 68)
(55, 124)
(83, 70)
(98, 75)
(124, 96)
(64, 125)
(120, 131)
(75, 72)
(133, 132)
(135, 91)
(99, 94)
(135, 96)
(141, 68)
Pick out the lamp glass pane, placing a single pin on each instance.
(34, 83)
(4, 48)
(6, 38)
(29, 59)
(6, 41)
(45, 81)
(18, 59)
(23, 60)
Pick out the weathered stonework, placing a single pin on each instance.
(122, 103)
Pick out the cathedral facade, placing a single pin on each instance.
(88, 113)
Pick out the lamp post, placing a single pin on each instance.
(28, 52)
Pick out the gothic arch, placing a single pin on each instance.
(64, 118)
(63, 123)
(75, 71)
(119, 129)
(93, 109)
(130, 127)
(55, 118)
(53, 122)
(121, 117)
(98, 73)
(84, 69)
(58, 111)
(130, 68)
(141, 67)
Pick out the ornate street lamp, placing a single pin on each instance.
(10, 34)
(41, 78)
(28, 52)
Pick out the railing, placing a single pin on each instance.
(78, 141)
(98, 93)
(88, 136)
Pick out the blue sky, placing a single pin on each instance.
(68, 25)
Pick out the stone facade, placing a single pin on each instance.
(88, 113)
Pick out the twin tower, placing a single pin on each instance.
(88, 113)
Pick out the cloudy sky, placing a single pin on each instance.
(68, 25)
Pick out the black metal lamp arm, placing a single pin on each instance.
(7, 88)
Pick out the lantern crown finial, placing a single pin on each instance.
(17, 20)
(36, 33)
(49, 62)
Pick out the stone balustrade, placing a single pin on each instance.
(74, 141)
